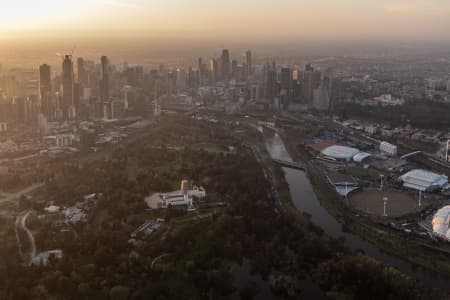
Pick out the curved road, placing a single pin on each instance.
(21, 225)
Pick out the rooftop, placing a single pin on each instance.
(441, 222)
(340, 152)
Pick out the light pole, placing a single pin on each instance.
(381, 181)
(385, 199)
(346, 191)
(420, 198)
(446, 151)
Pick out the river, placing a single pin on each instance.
(305, 200)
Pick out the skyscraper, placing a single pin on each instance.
(81, 72)
(67, 86)
(248, 61)
(213, 69)
(45, 88)
(201, 71)
(308, 85)
(234, 68)
(226, 64)
(104, 80)
(286, 85)
(270, 82)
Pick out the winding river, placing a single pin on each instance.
(305, 200)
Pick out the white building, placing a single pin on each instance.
(340, 152)
(424, 181)
(388, 148)
(184, 196)
(43, 258)
(64, 140)
(441, 223)
(371, 129)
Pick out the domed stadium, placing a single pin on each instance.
(441, 223)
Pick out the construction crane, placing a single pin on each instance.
(72, 52)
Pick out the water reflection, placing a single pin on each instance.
(305, 200)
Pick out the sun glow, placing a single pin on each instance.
(30, 13)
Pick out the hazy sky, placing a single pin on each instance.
(224, 20)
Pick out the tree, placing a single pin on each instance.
(119, 292)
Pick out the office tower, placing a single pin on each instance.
(213, 69)
(82, 75)
(201, 70)
(226, 68)
(234, 68)
(67, 86)
(285, 78)
(286, 85)
(181, 79)
(77, 93)
(104, 80)
(171, 81)
(308, 85)
(45, 88)
(248, 61)
(270, 82)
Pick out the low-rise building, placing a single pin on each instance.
(388, 148)
(184, 196)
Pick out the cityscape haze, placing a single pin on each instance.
(194, 149)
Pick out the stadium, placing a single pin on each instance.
(424, 181)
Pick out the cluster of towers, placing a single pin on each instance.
(290, 86)
(225, 68)
(63, 102)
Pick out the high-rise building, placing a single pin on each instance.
(201, 71)
(82, 75)
(214, 71)
(67, 86)
(45, 88)
(308, 85)
(286, 85)
(104, 80)
(270, 82)
(234, 68)
(248, 61)
(226, 64)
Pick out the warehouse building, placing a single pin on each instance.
(424, 181)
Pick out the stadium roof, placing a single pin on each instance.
(359, 157)
(340, 152)
(423, 180)
(441, 222)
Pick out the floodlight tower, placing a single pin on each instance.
(446, 151)
(385, 199)
(381, 181)
(346, 190)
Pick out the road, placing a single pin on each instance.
(7, 197)
(27, 254)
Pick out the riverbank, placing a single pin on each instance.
(394, 243)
